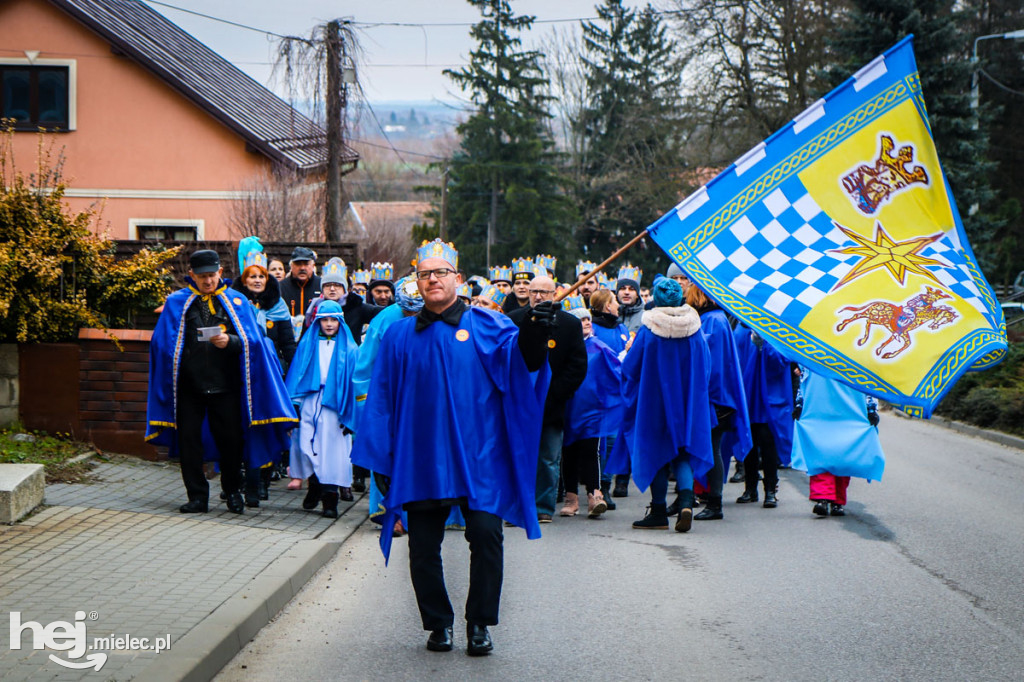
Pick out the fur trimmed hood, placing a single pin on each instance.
(672, 323)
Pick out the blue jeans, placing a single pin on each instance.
(684, 478)
(549, 464)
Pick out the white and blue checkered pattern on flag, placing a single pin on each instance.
(838, 239)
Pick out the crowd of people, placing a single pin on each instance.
(471, 402)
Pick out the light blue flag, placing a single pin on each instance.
(838, 238)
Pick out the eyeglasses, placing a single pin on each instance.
(439, 273)
(332, 285)
(542, 292)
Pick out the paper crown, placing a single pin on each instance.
(381, 271)
(361, 277)
(584, 266)
(482, 281)
(570, 302)
(493, 294)
(438, 249)
(255, 258)
(603, 282)
(500, 273)
(522, 267)
(464, 291)
(334, 271)
(547, 261)
(539, 270)
(631, 272)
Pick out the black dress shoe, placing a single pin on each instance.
(479, 640)
(345, 494)
(193, 507)
(235, 503)
(820, 508)
(440, 640)
(359, 484)
(837, 509)
(747, 496)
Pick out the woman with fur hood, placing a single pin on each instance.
(668, 417)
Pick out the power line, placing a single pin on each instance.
(996, 83)
(223, 21)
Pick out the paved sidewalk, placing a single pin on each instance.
(118, 551)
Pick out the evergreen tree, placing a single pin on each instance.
(505, 169)
(942, 48)
(631, 167)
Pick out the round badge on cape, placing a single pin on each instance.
(462, 335)
(551, 343)
(270, 324)
(223, 328)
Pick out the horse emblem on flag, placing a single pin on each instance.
(844, 215)
(900, 319)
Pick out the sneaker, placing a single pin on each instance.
(820, 508)
(596, 504)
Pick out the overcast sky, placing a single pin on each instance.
(402, 63)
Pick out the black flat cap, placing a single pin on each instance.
(201, 262)
(303, 253)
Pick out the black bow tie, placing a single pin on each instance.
(452, 315)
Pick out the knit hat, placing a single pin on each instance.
(335, 272)
(676, 271)
(667, 293)
(581, 313)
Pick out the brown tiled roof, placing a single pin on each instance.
(378, 214)
(263, 119)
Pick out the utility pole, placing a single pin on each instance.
(444, 203)
(1011, 35)
(492, 222)
(336, 103)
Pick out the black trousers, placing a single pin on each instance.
(486, 559)
(581, 463)
(763, 455)
(224, 414)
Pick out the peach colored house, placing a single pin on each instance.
(155, 126)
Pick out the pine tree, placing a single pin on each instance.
(505, 170)
(941, 47)
(631, 167)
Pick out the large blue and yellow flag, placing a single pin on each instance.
(838, 238)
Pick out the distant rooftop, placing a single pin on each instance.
(264, 120)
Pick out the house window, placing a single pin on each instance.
(36, 96)
(165, 230)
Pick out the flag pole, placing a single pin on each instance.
(583, 278)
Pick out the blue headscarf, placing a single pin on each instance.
(408, 302)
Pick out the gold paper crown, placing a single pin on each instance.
(464, 291)
(501, 273)
(584, 266)
(361, 277)
(493, 294)
(255, 258)
(548, 262)
(570, 302)
(631, 272)
(381, 271)
(438, 249)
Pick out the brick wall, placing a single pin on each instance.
(112, 391)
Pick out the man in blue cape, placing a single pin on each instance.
(438, 449)
(215, 389)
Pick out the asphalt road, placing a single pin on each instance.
(922, 580)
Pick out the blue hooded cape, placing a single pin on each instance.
(833, 433)
(304, 373)
(727, 382)
(267, 412)
(371, 346)
(453, 412)
(595, 410)
(615, 338)
(667, 406)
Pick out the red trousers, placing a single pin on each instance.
(829, 487)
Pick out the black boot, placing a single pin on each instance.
(836, 509)
(313, 495)
(820, 507)
(266, 476)
(737, 476)
(712, 512)
(749, 495)
(608, 498)
(674, 508)
(330, 503)
(685, 518)
(771, 501)
(656, 519)
(621, 486)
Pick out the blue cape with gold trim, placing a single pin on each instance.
(267, 412)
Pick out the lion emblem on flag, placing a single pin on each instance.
(900, 319)
(872, 186)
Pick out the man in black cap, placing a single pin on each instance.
(209, 386)
(301, 285)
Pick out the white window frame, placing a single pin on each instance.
(72, 65)
(135, 223)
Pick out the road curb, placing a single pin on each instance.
(211, 644)
(967, 429)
